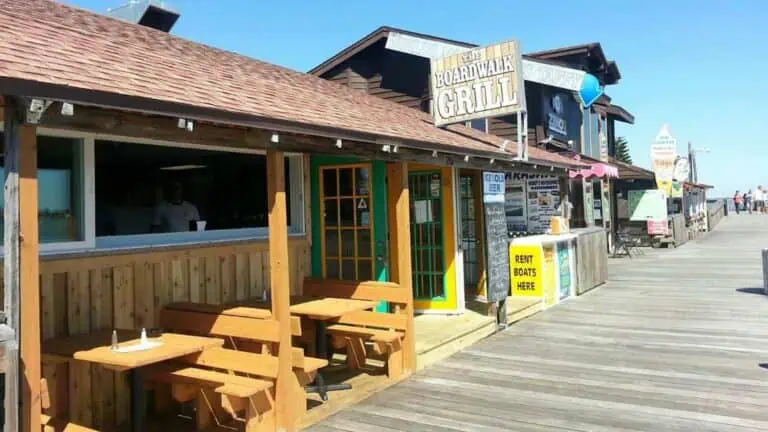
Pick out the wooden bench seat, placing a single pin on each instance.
(252, 343)
(375, 335)
(50, 424)
(221, 382)
(385, 330)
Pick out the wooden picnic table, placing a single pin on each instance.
(96, 348)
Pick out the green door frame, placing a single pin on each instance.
(379, 197)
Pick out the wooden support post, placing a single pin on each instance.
(401, 240)
(21, 268)
(280, 285)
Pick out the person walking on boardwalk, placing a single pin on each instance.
(737, 200)
(759, 199)
(748, 197)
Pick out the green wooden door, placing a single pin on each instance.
(349, 217)
(427, 259)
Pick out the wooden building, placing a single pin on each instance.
(112, 122)
(394, 64)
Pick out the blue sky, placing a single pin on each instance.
(702, 69)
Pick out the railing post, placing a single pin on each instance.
(21, 270)
(280, 289)
(401, 240)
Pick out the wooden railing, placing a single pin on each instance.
(715, 213)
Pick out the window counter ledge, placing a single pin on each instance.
(108, 248)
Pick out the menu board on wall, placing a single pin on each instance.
(543, 199)
(497, 251)
(514, 203)
(531, 201)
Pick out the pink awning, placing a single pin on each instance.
(596, 170)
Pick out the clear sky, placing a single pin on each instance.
(700, 66)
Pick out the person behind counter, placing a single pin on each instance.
(175, 214)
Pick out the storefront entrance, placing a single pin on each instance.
(427, 236)
(470, 223)
(433, 242)
(351, 241)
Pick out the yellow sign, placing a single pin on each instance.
(549, 273)
(525, 270)
(665, 186)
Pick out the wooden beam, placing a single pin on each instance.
(29, 287)
(280, 289)
(12, 118)
(21, 267)
(402, 241)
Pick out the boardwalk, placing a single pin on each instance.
(674, 342)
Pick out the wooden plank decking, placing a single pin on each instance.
(678, 340)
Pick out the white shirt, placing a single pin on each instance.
(175, 217)
(759, 195)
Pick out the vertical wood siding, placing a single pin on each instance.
(128, 291)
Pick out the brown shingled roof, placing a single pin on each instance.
(63, 47)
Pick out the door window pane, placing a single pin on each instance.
(60, 189)
(364, 243)
(331, 212)
(361, 181)
(348, 269)
(347, 211)
(332, 269)
(331, 243)
(363, 209)
(345, 181)
(329, 182)
(364, 270)
(348, 243)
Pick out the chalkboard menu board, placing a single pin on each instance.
(497, 250)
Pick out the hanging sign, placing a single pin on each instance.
(663, 155)
(493, 187)
(478, 83)
(646, 205)
(682, 169)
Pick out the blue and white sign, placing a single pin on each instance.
(493, 187)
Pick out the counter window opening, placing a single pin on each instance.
(130, 193)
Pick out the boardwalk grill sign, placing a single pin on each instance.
(479, 83)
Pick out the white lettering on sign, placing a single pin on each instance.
(493, 187)
(479, 83)
(556, 124)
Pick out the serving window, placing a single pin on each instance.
(109, 193)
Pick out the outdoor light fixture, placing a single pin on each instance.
(466, 158)
(338, 144)
(67, 109)
(492, 161)
(275, 138)
(395, 149)
(434, 153)
(181, 123)
(551, 168)
(504, 144)
(190, 126)
(386, 148)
